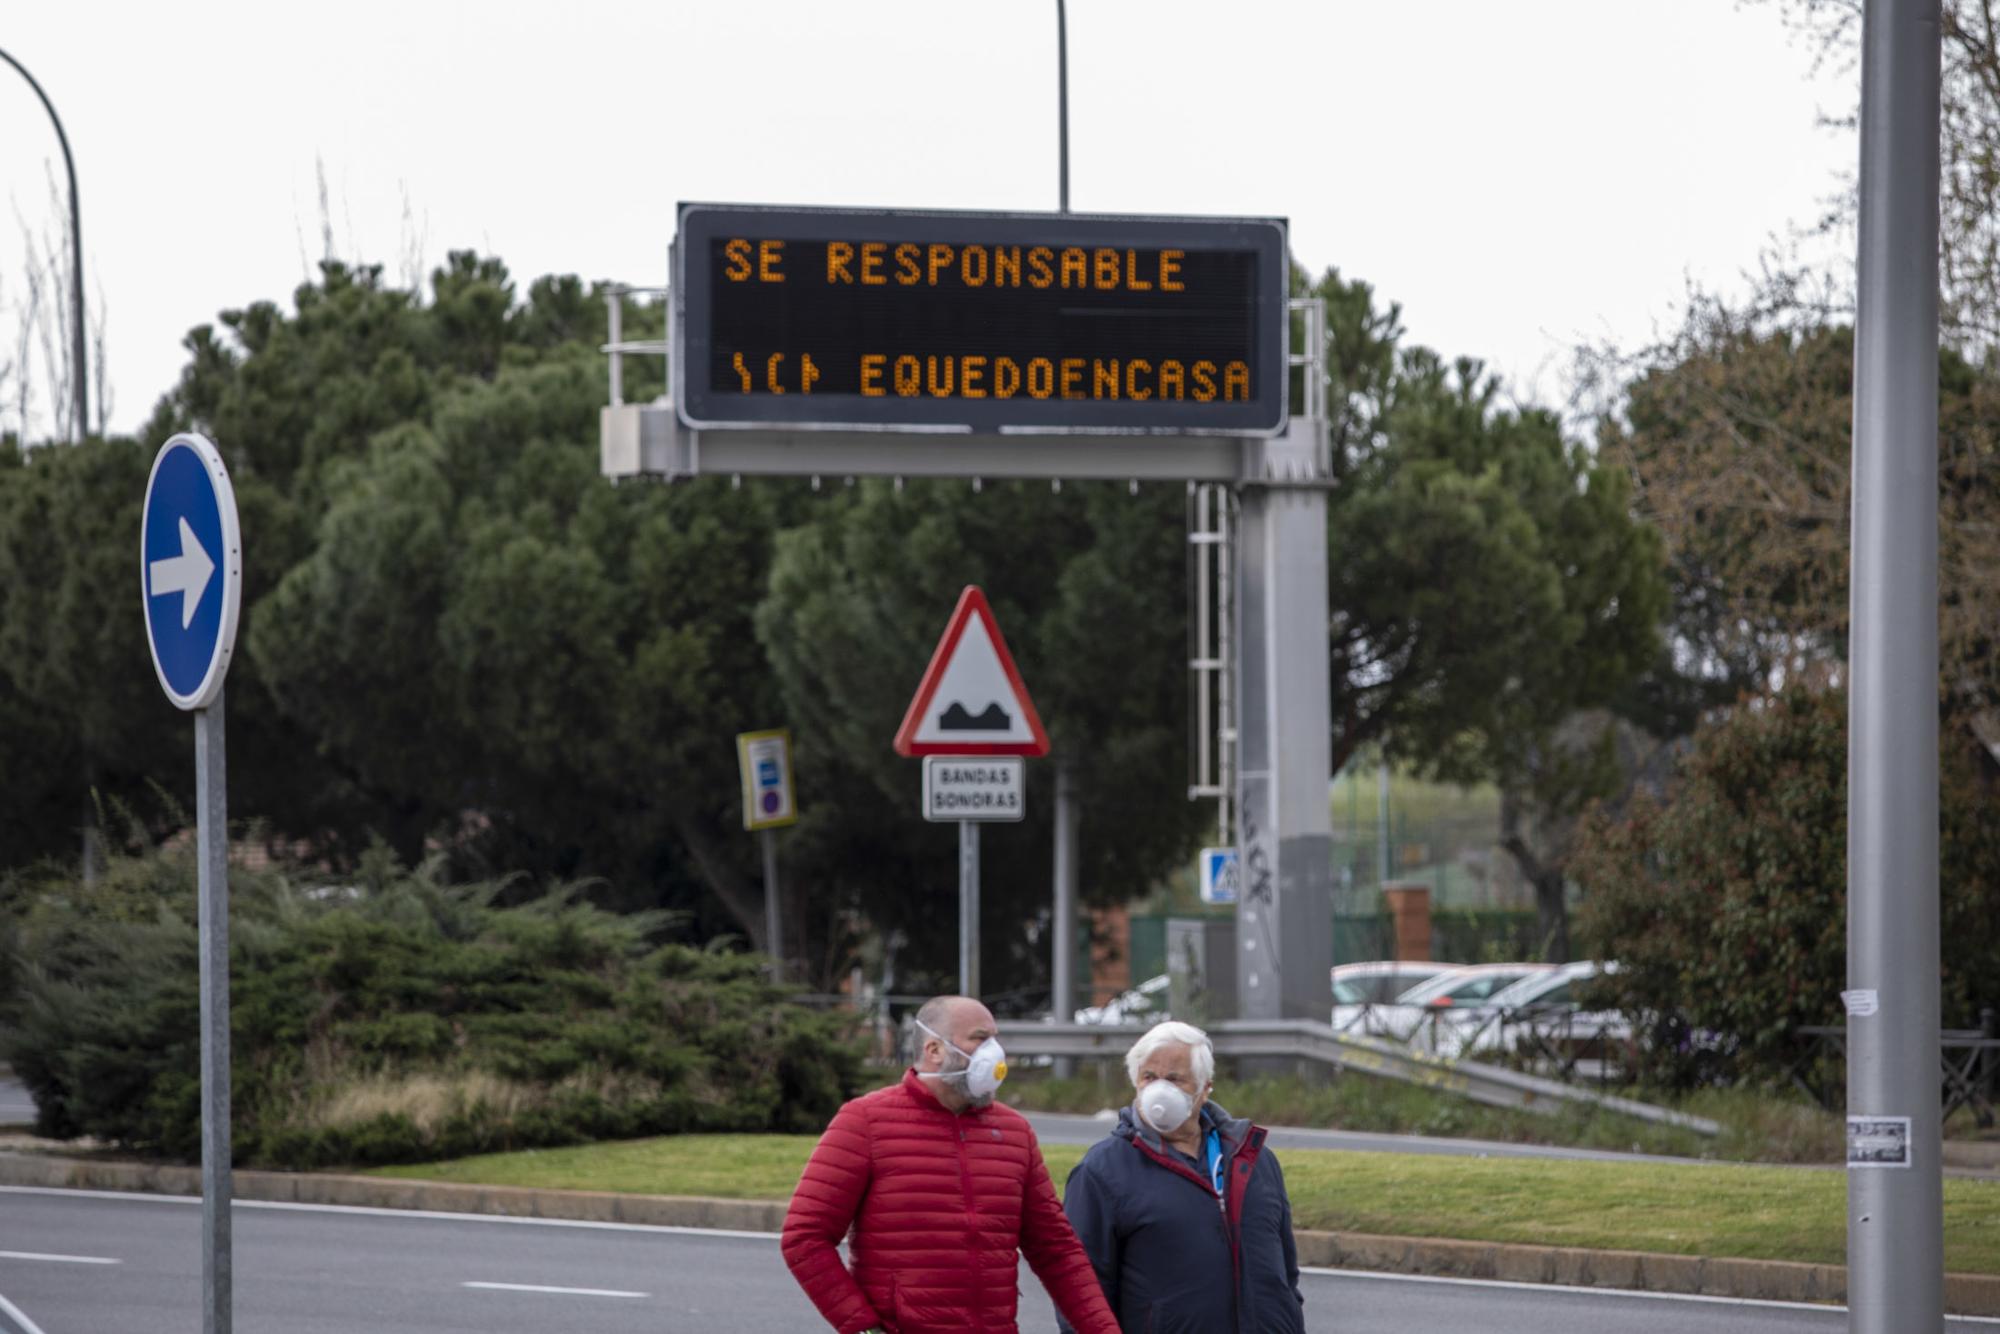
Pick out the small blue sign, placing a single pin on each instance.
(190, 569)
(1217, 870)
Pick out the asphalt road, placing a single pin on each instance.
(91, 1263)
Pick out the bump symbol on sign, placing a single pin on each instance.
(992, 718)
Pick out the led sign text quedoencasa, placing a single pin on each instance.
(849, 318)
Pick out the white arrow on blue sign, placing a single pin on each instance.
(190, 569)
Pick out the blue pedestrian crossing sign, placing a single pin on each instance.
(1217, 870)
(190, 569)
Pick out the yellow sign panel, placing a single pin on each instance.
(765, 761)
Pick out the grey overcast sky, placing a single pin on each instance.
(1519, 176)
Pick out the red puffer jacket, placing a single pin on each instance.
(938, 1203)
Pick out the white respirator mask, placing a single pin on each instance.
(1164, 1106)
(983, 1070)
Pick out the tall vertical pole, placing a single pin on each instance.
(1062, 98)
(774, 921)
(1382, 832)
(79, 391)
(1284, 909)
(968, 908)
(1062, 956)
(614, 328)
(211, 783)
(1895, 1204)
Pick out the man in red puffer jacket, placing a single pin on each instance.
(941, 1187)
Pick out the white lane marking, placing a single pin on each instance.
(19, 1317)
(566, 1292)
(1823, 1307)
(366, 1211)
(60, 1259)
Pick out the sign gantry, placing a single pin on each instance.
(873, 343)
(900, 343)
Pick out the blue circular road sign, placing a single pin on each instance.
(190, 569)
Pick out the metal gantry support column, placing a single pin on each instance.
(1284, 917)
(1895, 1197)
(1062, 961)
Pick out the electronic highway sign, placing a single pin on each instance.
(987, 322)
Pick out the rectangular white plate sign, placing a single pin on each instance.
(1878, 1141)
(975, 787)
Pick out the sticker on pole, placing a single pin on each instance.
(190, 569)
(971, 700)
(1218, 875)
(1878, 1141)
(765, 761)
(975, 787)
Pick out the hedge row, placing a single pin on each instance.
(395, 1019)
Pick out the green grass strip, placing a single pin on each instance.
(1714, 1209)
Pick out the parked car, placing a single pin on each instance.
(1359, 987)
(1454, 991)
(1537, 1015)
(1143, 1004)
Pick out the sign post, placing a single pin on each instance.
(764, 760)
(972, 706)
(191, 587)
(971, 791)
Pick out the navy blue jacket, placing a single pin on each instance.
(1172, 1255)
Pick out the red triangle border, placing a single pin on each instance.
(972, 602)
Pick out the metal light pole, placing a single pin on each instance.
(1895, 1204)
(81, 395)
(1062, 933)
(1062, 96)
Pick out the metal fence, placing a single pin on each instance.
(1968, 1068)
(1302, 1039)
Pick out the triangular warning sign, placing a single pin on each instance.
(971, 700)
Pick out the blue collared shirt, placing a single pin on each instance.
(1212, 1146)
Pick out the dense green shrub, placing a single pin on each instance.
(397, 1019)
(1726, 903)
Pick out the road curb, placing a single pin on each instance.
(1563, 1266)
(33, 1169)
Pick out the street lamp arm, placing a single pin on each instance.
(81, 381)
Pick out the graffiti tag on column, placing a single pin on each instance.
(1259, 883)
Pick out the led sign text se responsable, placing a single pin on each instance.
(980, 322)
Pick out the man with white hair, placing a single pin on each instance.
(1182, 1208)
